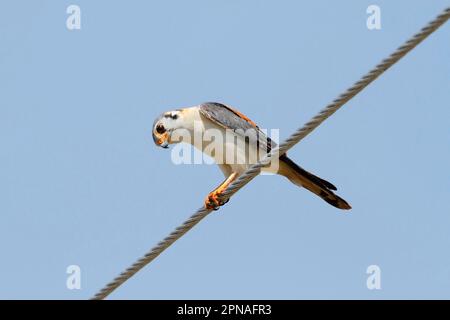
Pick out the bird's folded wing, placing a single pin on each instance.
(231, 119)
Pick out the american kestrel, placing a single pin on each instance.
(247, 145)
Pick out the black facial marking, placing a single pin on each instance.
(160, 129)
(171, 116)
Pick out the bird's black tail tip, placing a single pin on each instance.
(335, 200)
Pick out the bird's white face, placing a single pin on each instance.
(164, 126)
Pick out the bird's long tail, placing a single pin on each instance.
(307, 180)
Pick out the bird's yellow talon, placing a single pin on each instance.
(212, 200)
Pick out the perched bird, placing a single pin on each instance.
(248, 145)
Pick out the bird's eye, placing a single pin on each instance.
(160, 129)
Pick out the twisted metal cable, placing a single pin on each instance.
(281, 149)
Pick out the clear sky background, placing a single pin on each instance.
(81, 181)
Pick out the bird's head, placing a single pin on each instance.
(164, 126)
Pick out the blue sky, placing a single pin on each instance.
(82, 182)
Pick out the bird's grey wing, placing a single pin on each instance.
(229, 118)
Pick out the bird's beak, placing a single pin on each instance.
(162, 140)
